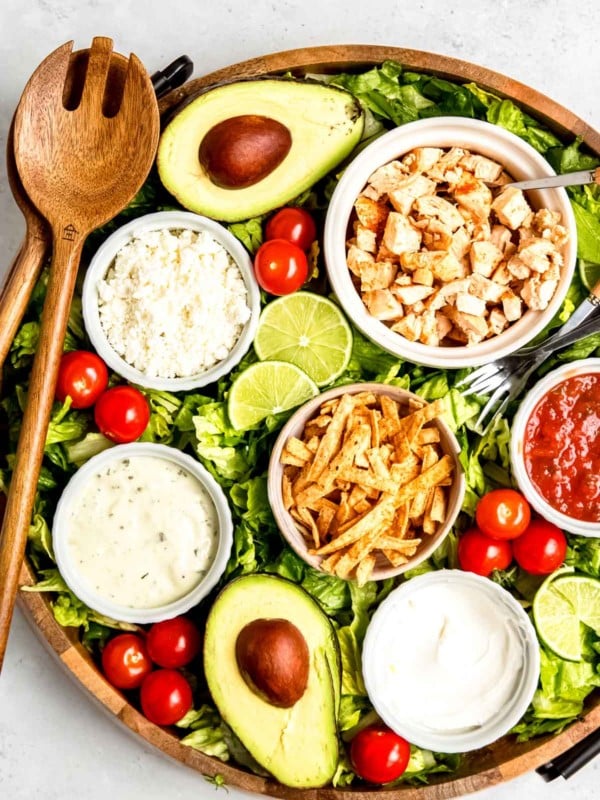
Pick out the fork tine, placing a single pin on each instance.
(492, 408)
(58, 63)
(97, 71)
(485, 384)
(480, 372)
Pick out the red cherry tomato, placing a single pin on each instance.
(481, 554)
(378, 754)
(280, 267)
(541, 549)
(166, 696)
(295, 225)
(83, 377)
(125, 661)
(122, 414)
(174, 642)
(503, 514)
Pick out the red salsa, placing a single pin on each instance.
(562, 447)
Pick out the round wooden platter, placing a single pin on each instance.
(506, 758)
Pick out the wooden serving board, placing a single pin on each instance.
(504, 759)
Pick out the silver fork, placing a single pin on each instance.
(506, 378)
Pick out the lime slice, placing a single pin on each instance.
(306, 330)
(560, 609)
(589, 273)
(265, 388)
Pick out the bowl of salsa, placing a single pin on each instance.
(555, 447)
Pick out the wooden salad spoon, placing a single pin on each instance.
(30, 259)
(79, 168)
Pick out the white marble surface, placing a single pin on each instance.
(54, 743)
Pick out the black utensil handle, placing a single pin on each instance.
(573, 759)
(173, 76)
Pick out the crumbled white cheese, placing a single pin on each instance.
(173, 303)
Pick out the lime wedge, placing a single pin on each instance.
(265, 388)
(306, 330)
(561, 608)
(589, 273)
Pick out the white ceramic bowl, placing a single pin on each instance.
(68, 567)
(381, 631)
(518, 158)
(295, 426)
(104, 257)
(584, 367)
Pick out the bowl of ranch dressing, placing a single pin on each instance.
(450, 661)
(142, 532)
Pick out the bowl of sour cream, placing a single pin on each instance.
(142, 532)
(450, 661)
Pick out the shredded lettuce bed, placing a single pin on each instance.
(198, 423)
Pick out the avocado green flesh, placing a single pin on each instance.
(325, 123)
(297, 745)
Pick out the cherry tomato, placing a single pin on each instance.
(295, 225)
(174, 642)
(481, 554)
(122, 414)
(166, 696)
(503, 514)
(541, 549)
(378, 754)
(280, 267)
(125, 661)
(83, 377)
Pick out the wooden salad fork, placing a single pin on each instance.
(79, 167)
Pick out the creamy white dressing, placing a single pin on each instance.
(142, 532)
(451, 659)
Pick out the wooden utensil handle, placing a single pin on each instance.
(17, 289)
(30, 449)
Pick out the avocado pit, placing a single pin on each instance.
(240, 151)
(273, 658)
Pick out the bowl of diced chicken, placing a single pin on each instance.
(435, 257)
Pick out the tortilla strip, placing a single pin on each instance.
(364, 569)
(371, 521)
(425, 480)
(331, 440)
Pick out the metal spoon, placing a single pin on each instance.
(567, 179)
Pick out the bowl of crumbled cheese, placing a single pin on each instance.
(170, 301)
(434, 257)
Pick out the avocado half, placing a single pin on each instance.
(325, 124)
(297, 745)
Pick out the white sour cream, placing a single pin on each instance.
(142, 532)
(450, 659)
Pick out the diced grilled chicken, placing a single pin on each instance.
(422, 159)
(518, 268)
(475, 196)
(437, 236)
(473, 326)
(481, 167)
(400, 235)
(444, 325)
(545, 219)
(497, 322)
(429, 332)
(511, 306)
(444, 164)
(537, 292)
(385, 178)
(366, 238)
(536, 254)
(371, 214)
(423, 276)
(403, 195)
(435, 206)
(408, 295)
(485, 257)
(485, 289)
(461, 242)
(501, 275)
(501, 236)
(470, 304)
(511, 208)
(409, 326)
(377, 275)
(382, 304)
(356, 258)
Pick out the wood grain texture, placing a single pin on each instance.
(79, 168)
(504, 759)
